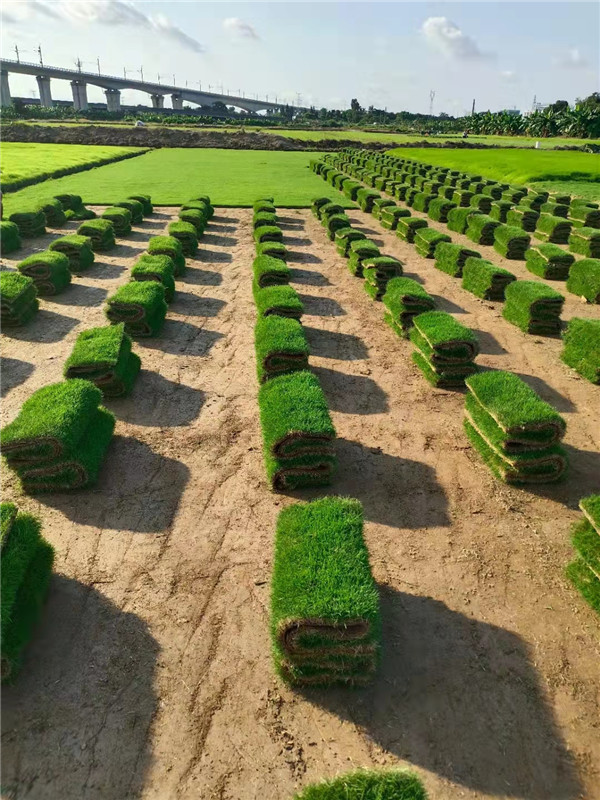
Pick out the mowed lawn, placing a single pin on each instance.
(172, 176)
(24, 160)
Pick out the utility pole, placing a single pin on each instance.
(40, 54)
(473, 107)
(78, 64)
(173, 79)
(431, 99)
(158, 76)
(17, 52)
(98, 62)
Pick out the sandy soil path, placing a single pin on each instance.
(150, 675)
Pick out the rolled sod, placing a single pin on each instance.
(513, 429)
(26, 561)
(585, 242)
(500, 210)
(316, 204)
(281, 301)
(553, 229)
(70, 202)
(462, 198)
(533, 307)
(29, 223)
(120, 218)
(360, 249)
(458, 218)
(584, 570)
(59, 439)
(262, 218)
(268, 233)
(100, 231)
(400, 191)
(104, 357)
(10, 239)
(156, 268)
(18, 299)
(141, 305)
(389, 784)
(195, 218)
(200, 206)
(421, 201)
(450, 258)
(514, 194)
(404, 299)
(269, 208)
(445, 349)
(439, 208)
(584, 215)
(366, 198)
(344, 237)
(274, 249)
(281, 346)
(329, 210)
(49, 271)
(480, 229)
(556, 209)
(427, 239)
(335, 223)
(584, 279)
(297, 432)
(380, 203)
(481, 202)
(484, 279)
(548, 261)
(185, 232)
(168, 246)
(270, 271)
(581, 349)
(82, 213)
(210, 210)
(54, 213)
(533, 201)
(325, 611)
(390, 215)
(591, 510)
(408, 227)
(78, 249)
(511, 242)
(377, 272)
(146, 201)
(350, 189)
(494, 190)
(135, 208)
(523, 217)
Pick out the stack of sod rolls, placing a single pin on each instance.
(268, 233)
(10, 240)
(366, 198)
(120, 218)
(26, 561)
(390, 215)
(484, 279)
(281, 346)
(500, 211)
(100, 231)
(78, 249)
(344, 238)
(270, 271)
(427, 239)
(194, 216)
(60, 437)
(581, 349)
(18, 299)
(584, 570)
(481, 202)
(407, 228)
(280, 300)
(49, 271)
(445, 349)
(523, 217)
(516, 433)
(53, 212)
(556, 209)
(168, 246)
(333, 223)
(29, 223)
(361, 249)
(533, 307)
(325, 612)
(316, 204)
(74, 208)
(135, 208)
(146, 201)
(511, 242)
(585, 242)
(450, 258)
(274, 249)
(377, 272)
(514, 194)
(480, 229)
(462, 198)
(548, 261)
(585, 215)
(584, 279)
(298, 434)
(159, 268)
(439, 208)
(187, 235)
(367, 785)
(553, 229)
(404, 299)
(141, 305)
(104, 357)
(380, 204)
(458, 219)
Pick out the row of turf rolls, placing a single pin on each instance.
(584, 570)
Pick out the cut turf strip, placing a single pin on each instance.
(585, 242)
(548, 261)
(581, 349)
(120, 218)
(450, 258)
(367, 785)
(270, 271)
(281, 347)
(10, 238)
(584, 571)
(78, 249)
(377, 272)
(584, 279)
(160, 268)
(511, 242)
(553, 229)
(49, 270)
(59, 438)
(141, 305)
(282, 301)
(344, 238)
(325, 615)
(427, 239)
(484, 279)
(513, 429)
(186, 233)
(361, 249)
(29, 223)
(404, 298)
(168, 246)
(103, 356)
(533, 307)
(18, 299)
(100, 231)
(445, 349)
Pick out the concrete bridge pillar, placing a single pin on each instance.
(113, 99)
(158, 100)
(5, 98)
(43, 82)
(80, 101)
(177, 101)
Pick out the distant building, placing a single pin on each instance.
(513, 111)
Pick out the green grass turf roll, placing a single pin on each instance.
(450, 258)
(18, 299)
(380, 203)
(281, 346)
(591, 510)
(168, 246)
(514, 194)
(81, 214)
(141, 305)
(360, 249)
(553, 229)
(584, 279)
(377, 272)
(499, 210)
(70, 202)
(481, 202)
(522, 217)
(533, 307)
(187, 235)
(366, 198)
(104, 357)
(400, 191)
(146, 201)
(462, 198)
(439, 208)
(511, 242)
(367, 785)
(421, 201)
(585, 577)
(329, 210)
(494, 190)
(199, 206)
(316, 204)
(268, 233)
(427, 239)
(458, 218)
(195, 218)
(273, 249)
(270, 271)
(581, 349)
(281, 301)
(100, 231)
(484, 279)
(54, 213)
(325, 611)
(548, 261)
(30, 223)
(156, 268)
(297, 432)
(26, 561)
(585, 242)
(49, 271)
(445, 349)
(408, 227)
(10, 239)
(390, 215)
(78, 249)
(334, 223)
(584, 215)
(59, 437)
(480, 229)
(205, 200)
(120, 218)
(404, 299)
(350, 189)
(344, 237)
(135, 208)
(556, 209)
(262, 218)
(533, 201)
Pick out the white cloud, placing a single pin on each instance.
(161, 24)
(106, 12)
(239, 28)
(447, 38)
(27, 9)
(509, 75)
(573, 60)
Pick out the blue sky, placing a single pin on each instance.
(389, 54)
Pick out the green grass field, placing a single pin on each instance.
(172, 176)
(24, 160)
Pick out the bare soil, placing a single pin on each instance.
(150, 674)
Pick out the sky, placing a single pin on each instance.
(392, 55)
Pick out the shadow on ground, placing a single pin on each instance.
(191, 305)
(182, 338)
(13, 372)
(351, 394)
(333, 344)
(45, 326)
(158, 402)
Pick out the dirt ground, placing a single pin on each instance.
(150, 674)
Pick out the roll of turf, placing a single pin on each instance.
(450, 258)
(18, 299)
(270, 271)
(10, 239)
(585, 242)
(104, 357)
(186, 233)
(281, 346)
(158, 268)
(444, 349)
(581, 347)
(168, 246)
(548, 261)
(100, 231)
(484, 279)
(282, 301)
(120, 218)
(78, 249)
(584, 279)
(377, 272)
(533, 307)
(140, 305)
(49, 270)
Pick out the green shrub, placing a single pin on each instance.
(581, 349)
(585, 242)
(156, 268)
(18, 299)
(281, 346)
(104, 357)
(450, 258)
(548, 261)
(168, 246)
(100, 231)
(445, 349)
(120, 218)
(484, 279)
(584, 279)
(186, 233)
(141, 305)
(78, 249)
(281, 300)
(49, 270)
(533, 307)
(270, 271)
(404, 299)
